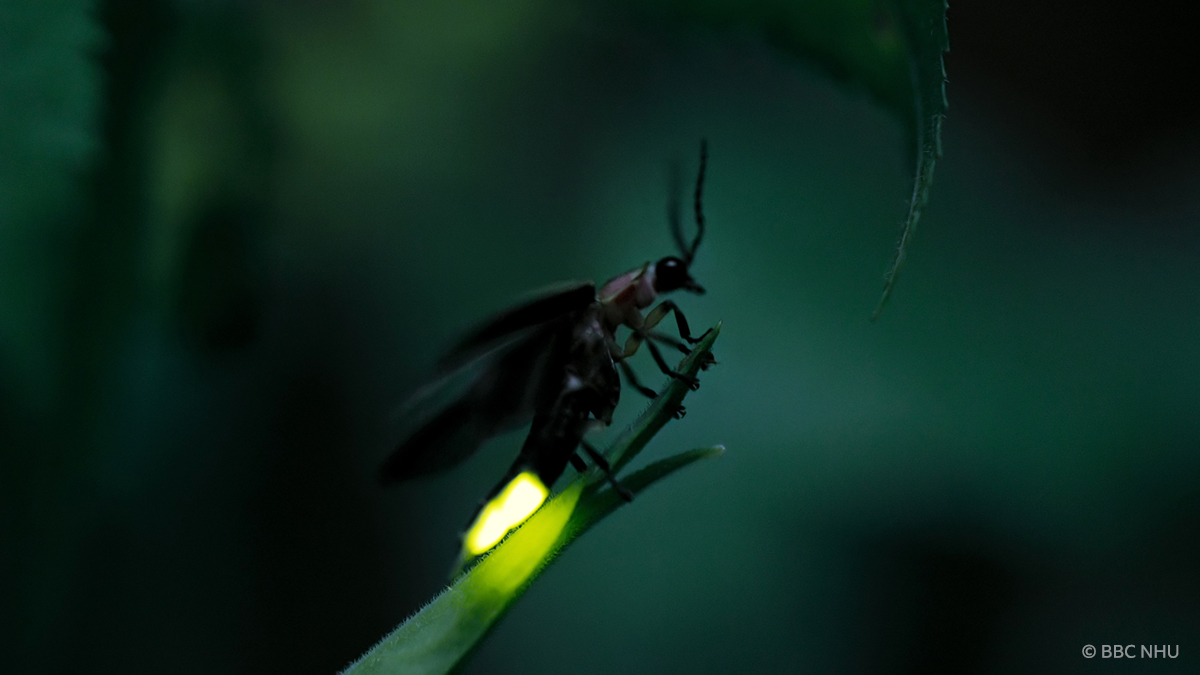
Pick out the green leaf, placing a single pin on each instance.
(444, 632)
(596, 508)
(439, 637)
(928, 40)
(50, 104)
(892, 47)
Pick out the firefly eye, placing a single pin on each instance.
(669, 274)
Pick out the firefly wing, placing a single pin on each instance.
(501, 392)
(545, 308)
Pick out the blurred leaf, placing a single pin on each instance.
(439, 637)
(893, 47)
(219, 296)
(49, 97)
(49, 108)
(210, 141)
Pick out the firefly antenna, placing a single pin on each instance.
(673, 210)
(690, 253)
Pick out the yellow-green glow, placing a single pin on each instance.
(516, 502)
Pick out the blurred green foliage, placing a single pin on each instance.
(50, 91)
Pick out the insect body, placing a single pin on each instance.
(555, 361)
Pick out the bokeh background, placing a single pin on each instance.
(235, 234)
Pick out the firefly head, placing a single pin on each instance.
(671, 273)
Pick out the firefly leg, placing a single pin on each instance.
(660, 312)
(649, 393)
(636, 340)
(599, 461)
(633, 380)
(668, 340)
(577, 462)
(706, 360)
(690, 381)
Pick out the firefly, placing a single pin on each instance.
(555, 363)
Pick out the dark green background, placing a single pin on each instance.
(212, 309)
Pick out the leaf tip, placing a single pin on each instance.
(883, 299)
